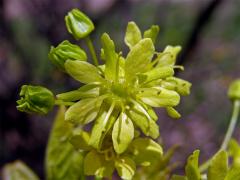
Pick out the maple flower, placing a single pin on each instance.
(120, 95)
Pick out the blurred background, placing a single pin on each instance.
(207, 30)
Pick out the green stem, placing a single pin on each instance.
(231, 127)
(60, 102)
(92, 50)
(233, 122)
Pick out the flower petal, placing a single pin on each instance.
(148, 127)
(168, 57)
(157, 73)
(84, 111)
(139, 58)
(145, 122)
(125, 167)
(95, 164)
(122, 134)
(145, 151)
(177, 84)
(86, 91)
(173, 113)
(110, 57)
(159, 97)
(152, 33)
(133, 34)
(83, 71)
(106, 118)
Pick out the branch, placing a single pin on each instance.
(201, 22)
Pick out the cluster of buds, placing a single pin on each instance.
(117, 99)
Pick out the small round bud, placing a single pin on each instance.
(66, 51)
(234, 90)
(35, 99)
(78, 24)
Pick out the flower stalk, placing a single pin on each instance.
(232, 125)
(92, 50)
(229, 133)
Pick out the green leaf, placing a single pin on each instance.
(233, 174)
(105, 120)
(168, 57)
(152, 33)
(218, 167)
(125, 167)
(110, 57)
(86, 91)
(18, 171)
(234, 151)
(78, 24)
(83, 71)
(133, 34)
(191, 169)
(92, 162)
(156, 74)
(122, 134)
(95, 164)
(159, 97)
(84, 111)
(145, 151)
(173, 113)
(62, 160)
(79, 139)
(177, 177)
(144, 121)
(139, 58)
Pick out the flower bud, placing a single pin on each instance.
(35, 99)
(234, 90)
(78, 24)
(66, 51)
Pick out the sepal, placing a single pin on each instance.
(152, 33)
(133, 34)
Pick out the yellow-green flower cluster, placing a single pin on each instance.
(118, 96)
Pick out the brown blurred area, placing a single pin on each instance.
(207, 30)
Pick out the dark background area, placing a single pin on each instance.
(207, 30)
